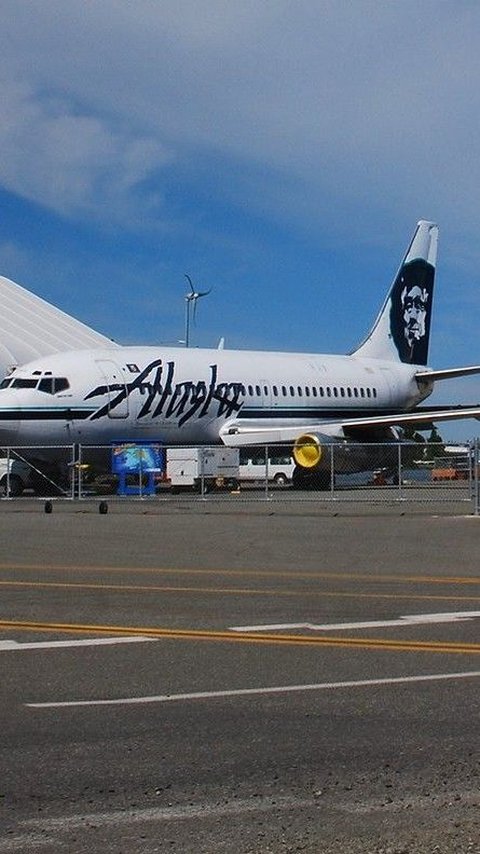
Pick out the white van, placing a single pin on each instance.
(255, 467)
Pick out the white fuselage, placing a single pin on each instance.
(187, 396)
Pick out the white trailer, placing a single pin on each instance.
(203, 468)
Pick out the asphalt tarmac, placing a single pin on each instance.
(192, 678)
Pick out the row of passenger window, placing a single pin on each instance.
(311, 391)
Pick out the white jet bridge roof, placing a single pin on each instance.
(30, 327)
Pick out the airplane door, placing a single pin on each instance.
(115, 382)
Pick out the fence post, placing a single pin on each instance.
(7, 493)
(470, 470)
(73, 476)
(400, 470)
(475, 477)
(332, 471)
(202, 473)
(266, 472)
(79, 470)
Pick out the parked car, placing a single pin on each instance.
(15, 476)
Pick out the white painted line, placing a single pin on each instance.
(244, 692)
(203, 809)
(14, 646)
(408, 620)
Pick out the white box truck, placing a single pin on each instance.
(203, 468)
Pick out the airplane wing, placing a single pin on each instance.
(30, 327)
(448, 373)
(238, 434)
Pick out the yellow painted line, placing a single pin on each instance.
(351, 576)
(246, 637)
(234, 591)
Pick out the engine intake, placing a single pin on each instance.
(307, 451)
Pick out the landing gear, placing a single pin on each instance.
(311, 479)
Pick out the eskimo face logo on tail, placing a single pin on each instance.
(414, 303)
(410, 312)
(164, 397)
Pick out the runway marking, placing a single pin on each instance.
(16, 646)
(359, 576)
(135, 815)
(408, 620)
(245, 637)
(245, 692)
(234, 591)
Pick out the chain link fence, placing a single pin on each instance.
(348, 472)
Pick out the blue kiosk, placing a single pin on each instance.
(132, 462)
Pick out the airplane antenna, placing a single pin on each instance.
(191, 299)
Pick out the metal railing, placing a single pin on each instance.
(349, 472)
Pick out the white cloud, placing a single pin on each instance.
(373, 104)
(69, 161)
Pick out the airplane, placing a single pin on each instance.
(97, 392)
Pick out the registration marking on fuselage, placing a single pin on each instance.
(407, 620)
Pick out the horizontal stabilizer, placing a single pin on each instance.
(448, 373)
(30, 327)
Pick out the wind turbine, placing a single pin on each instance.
(191, 301)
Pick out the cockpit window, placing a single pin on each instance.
(19, 383)
(5, 383)
(46, 385)
(53, 385)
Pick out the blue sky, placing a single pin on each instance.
(278, 152)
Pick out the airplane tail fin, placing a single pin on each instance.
(401, 331)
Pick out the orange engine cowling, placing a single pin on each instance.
(308, 451)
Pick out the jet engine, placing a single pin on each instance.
(313, 469)
(320, 457)
(308, 452)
